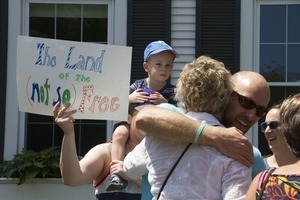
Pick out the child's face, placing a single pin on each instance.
(159, 66)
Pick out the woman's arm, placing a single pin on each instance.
(91, 166)
(251, 194)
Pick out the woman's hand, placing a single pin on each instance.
(63, 118)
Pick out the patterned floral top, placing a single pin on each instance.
(278, 186)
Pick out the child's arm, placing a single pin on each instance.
(120, 136)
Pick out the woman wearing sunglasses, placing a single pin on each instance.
(273, 132)
(282, 182)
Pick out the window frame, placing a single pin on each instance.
(257, 32)
(249, 46)
(117, 11)
(284, 87)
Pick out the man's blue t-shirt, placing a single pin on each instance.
(259, 164)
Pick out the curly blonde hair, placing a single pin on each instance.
(204, 85)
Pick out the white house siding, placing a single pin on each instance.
(14, 122)
(183, 27)
(183, 32)
(247, 58)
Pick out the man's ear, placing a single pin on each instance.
(146, 66)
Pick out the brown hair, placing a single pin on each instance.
(290, 117)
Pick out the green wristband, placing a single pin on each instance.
(198, 133)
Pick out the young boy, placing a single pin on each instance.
(155, 89)
(204, 89)
(158, 63)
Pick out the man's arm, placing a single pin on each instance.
(170, 125)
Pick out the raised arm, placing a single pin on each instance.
(91, 166)
(170, 125)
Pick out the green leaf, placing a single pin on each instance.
(29, 165)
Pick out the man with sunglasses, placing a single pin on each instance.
(248, 103)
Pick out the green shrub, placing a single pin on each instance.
(29, 165)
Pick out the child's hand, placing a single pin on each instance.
(63, 118)
(156, 98)
(138, 96)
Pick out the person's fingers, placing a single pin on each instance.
(246, 158)
(62, 115)
(244, 155)
(248, 152)
(235, 145)
(68, 114)
(62, 111)
(115, 166)
(55, 109)
(244, 161)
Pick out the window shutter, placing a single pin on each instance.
(148, 20)
(218, 31)
(3, 69)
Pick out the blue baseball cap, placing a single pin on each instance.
(157, 47)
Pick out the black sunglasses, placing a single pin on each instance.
(272, 125)
(249, 104)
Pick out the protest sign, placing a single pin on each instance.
(93, 78)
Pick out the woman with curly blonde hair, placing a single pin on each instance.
(204, 85)
(190, 171)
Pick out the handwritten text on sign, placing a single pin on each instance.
(94, 78)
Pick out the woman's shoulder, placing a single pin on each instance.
(292, 169)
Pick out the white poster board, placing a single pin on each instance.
(94, 78)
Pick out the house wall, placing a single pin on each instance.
(183, 27)
(44, 189)
(14, 131)
(247, 51)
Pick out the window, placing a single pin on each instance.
(280, 42)
(279, 52)
(76, 22)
